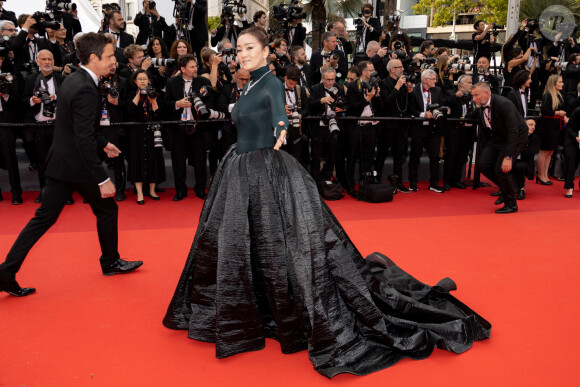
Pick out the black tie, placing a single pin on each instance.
(48, 77)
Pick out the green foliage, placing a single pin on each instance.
(213, 22)
(490, 10)
(532, 9)
(494, 11)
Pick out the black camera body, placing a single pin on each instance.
(328, 55)
(196, 99)
(6, 83)
(48, 106)
(288, 12)
(339, 102)
(148, 92)
(152, 5)
(107, 88)
(229, 7)
(400, 54)
(438, 111)
(373, 83)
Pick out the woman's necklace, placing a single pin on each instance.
(250, 84)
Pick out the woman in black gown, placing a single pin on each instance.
(269, 259)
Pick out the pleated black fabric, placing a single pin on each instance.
(269, 260)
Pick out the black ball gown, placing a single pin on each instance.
(269, 259)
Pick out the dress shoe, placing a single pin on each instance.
(120, 266)
(569, 195)
(413, 187)
(154, 197)
(560, 178)
(542, 182)
(120, 196)
(70, 201)
(446, 187)
(14, 289)
(459, 185)
(500, 200)
(17, 199)
(200, 194)
(507, 209)
(141, 202)
(496, 193)
(521, 195)
(402, 188)
(436, 188)
(179, 196)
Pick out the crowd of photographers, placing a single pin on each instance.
(169, 74)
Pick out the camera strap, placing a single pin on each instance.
(299, 103)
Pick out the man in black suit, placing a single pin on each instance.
(73, 165)
(296, 33)
(197, 26)
(483, 75)
(191, 134)
(150, 24)
(299, 60)
(228, 29)
(343, 40)
(328, 55)
(117, 28)
(368, 29)
(572, 100)
(295, 96)
(519, 94)
(7, 15)
(571, 73)
(426, 134)
(503, 133)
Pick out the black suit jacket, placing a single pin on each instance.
(316, 108)
(572, 102)
(375, 34)
(170, 35)
(417, 106)
(32, 83)
(232, 33)
(304, 110)
(8, 15)
(199, 31)
(299, 36)
(490, 79)
(72, 25)
(73, 155)
(508, 132)
(174, 91)
(316, 62)
(514, 96)
(346, 46)
(124, 38)
(145, 25)
(356, 102)
(22, 53)
(395, 102)
(306, 72)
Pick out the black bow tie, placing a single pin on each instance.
(48, 77)
(522, 92)
(116, 33)
(485, 107)
(290, 90)
(28, 40)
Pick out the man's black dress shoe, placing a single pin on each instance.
(1, 197)
(120, 266)
(17, 199)
(459, 185)
(38, 198)
(521, 195)
(14, 289)
(500, 200)
(179, 196)
(120, 196)
(351, 192)
(201, 194)
(507, 209)
(496, 193)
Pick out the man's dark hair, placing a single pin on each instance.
(330, 26)
(293, 74)
(477, 23)
(355, 70)
(22, 19)
(295, 50)
(367, 6)
(185, 59)
(520, 78)
(112, 15)
(258, 15)
(425, 45)
(91, 43)
(363, 65)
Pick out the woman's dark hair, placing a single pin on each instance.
(164, 50)
(520, 78)
(258, 33)
(513, 53)
(91, 43)
(173, 51)
(136, 74)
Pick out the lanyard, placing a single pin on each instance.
(289, 96)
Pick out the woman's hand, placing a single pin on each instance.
(282, 138)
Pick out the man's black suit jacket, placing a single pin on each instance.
(22, 53)
(159, 27)
(515, 97)
(375, 34)
(304, 110)
(8, 15)
(73, 155)
(199, 32)
(346, 46)
(32, 83)
(395, 102)
(356, 102)
(572, 102)
(417, 106)
(490, 79)
(174, 91)
(306, 72)
(509, 131)
(232, 32)
(299, 36)
(316, 62)
(72, 25)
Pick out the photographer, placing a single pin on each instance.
(328, 56)
(7, 15)
(26, 46)
(296, 107)
(66, 47)
(8, 108)
(519, 94)
(214, 69)
(515, 63)
(137, 60)
(229, 96)
(425, 134)
(117, 28)
(529, 39)
(150, 23)
(572, 100)
(107, 9)
(561, 48)
(363, 100)
(324, 141)
(377, 55)
(296, 33)
(228, 29)
(157, 49)
(482, 40)
(393, 135)
(571, 73)
(299, 60)
(445, 73)
(146, 163)
(279, 56)
(458, 136)
(196, 25)
(261, 20)
(367, 28)
(179, 98)
(7, 33)
(483, 75)
(343, 40)
(40, 93)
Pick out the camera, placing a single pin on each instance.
(196, 99)
(332, 124)
(462, 66)
(155, 127)
(45, 20)
(230, 7)
(465, 98)
(110, 7)
(109, 89)
(438, 111)
(148, 92)
(374, 82)
(6, 83)
(48, 106)
(532, 24)
(400, 54)
(498, 26)
(398, 45)
(288, 12)
(393, 18)
(228, 55)
(4, 46)
(339, 102)
(328, 55)
(294, 116)
(181, 12)
(152, 5)
(157, 62)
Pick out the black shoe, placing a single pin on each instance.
(14, 289)
(140, 202)
(179, 196)
(154, 197)
(70, 201)
(38, 198)
(500, 200)
(201, 194)
(436, 188)
(521, 195)
(402, 188)
(413, 187)
(459, 185)
(542, 182)
(446, 187)
(560, 178)
(120, 266)
(17, 199)
(496, 193)
(507, 209)
(120, 196)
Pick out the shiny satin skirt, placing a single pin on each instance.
(270, 260)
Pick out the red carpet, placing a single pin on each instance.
(518, 271)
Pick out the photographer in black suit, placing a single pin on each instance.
(150, 24)
(228, 29)
(296, 33)
(197, 26)
(368, 28)
(572, 100)
(73, 165)
(327, 56)
(299, 59)
(296, 102)
(502, 135)
(343, 40)
(483, 75)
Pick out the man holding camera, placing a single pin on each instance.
(179, 99)
(296, 107)
(482, 40)
(296, 33)
(343, 39)
(26, 46)
(395, 95)
(228, 29)
(571, 73)
(424, 102)
(150, 23)
(328, 56)
(196, 25)
(367, 28)
(363, 100)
